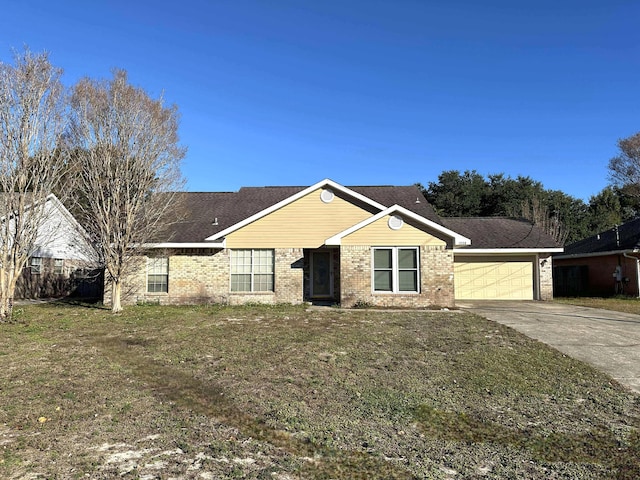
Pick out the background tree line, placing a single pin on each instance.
(566, 218)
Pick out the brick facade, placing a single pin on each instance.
(436, 279)
(545, 267)
(204, 278)
(289, 279)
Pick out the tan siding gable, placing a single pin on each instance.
(379, 233)
(305, 223)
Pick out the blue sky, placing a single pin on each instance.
(364, 92)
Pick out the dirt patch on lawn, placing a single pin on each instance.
(282, 393)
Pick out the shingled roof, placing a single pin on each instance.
(207, 213)
(499, 232)
(623, 237)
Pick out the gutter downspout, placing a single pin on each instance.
(624, 254)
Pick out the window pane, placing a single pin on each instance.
(263, 283)
(157, 283)
(261, 269)
(408, 281)
(158, 275)
(407, 258)
(241, 268)
(58, 266)
(382, 281)
(36, 264)
(241, 261)
(382, 258)
(263, 261)
(251, 266)
(158, 266)
(240, 283)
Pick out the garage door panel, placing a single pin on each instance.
(493, 279)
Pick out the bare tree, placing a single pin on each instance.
(538, 213)
(32, 121)
(126, 144)
(624, 168)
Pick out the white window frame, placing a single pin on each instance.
(395, 271)
(154, 268)
(253, 271)
(58, 266)
(36, 265)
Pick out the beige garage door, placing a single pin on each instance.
(493, 279)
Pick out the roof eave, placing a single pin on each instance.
(484, 251)
(596, 254)
(220, 244)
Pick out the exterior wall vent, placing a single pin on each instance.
(327, 195)
(395, 222)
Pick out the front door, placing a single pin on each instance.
(321, 274)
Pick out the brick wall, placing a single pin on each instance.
(205, 278)
(599, 279)
(436, 279)
(545, 266)
(197, 279)
(133, 285)
(289, 280)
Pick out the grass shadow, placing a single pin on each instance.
(174, 384)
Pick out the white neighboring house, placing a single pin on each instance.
(60, 258)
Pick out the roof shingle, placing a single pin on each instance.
(207, 213)
(627, 237)
(500, 232)
(203, 214)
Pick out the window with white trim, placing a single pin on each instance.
(158, 275)
(36, 265)
(395, 270)
(252, 270)
(58, 266)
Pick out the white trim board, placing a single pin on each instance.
(505, 251)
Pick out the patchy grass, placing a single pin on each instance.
(283, 393)
(618, 304)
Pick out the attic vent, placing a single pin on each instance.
(395, 222)
(327, 195)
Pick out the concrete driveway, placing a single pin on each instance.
(610, 341)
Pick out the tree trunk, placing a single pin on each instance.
(6, 309)
(7, 291)
(116, 294)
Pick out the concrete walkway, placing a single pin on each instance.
(610, 341)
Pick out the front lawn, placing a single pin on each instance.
(283, 393)
(618, 304)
